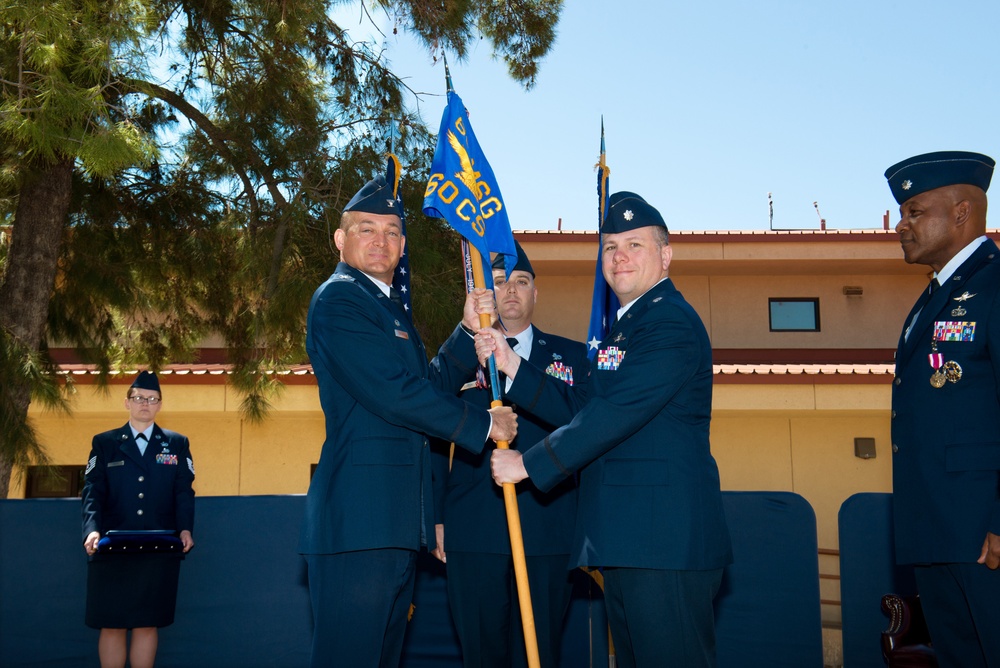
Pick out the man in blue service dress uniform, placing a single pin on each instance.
(482, 590)
(369, 506)
(138, 477)
(650, 510)
(946, 406)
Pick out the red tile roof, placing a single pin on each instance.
(212, 374)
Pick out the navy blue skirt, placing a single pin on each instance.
(132, 591)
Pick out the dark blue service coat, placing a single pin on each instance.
(474, 515)
(649, 486)
(380, 398)
(946, 441)
(126, 490)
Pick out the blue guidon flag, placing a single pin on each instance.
(463, 191)
(605, 303)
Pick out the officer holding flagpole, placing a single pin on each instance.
(481, 587)
(463, 190)
(368, 510)
(650, 511)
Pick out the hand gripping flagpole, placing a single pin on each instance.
(474, 261)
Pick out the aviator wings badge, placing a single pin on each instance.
(958, 311)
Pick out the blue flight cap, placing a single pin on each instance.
(375, 197)
(925, 172)
(522, 261)
(627, 211)
(146, 380)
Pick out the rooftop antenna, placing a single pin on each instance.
(770, 212)
(822, 220)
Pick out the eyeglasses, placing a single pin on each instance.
(136, 399)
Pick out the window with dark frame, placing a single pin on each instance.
(53, 482)
(793, 314)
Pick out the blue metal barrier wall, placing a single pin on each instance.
(867, 572)
(244, 602)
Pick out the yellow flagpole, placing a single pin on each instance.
(509, 493)
(510, 502)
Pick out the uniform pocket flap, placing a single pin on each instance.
(973, 457)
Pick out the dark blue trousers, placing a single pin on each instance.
(662, 617)
(961, 603)
(360, 603)
(482, 595)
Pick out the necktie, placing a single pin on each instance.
(934, 285)
(142, 442)
(140, 435)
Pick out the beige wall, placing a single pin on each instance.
(232, 456)
(735, 308)
(563, 305)
(797, 438)
(737, 316)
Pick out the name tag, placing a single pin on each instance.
(121, 463)
(401, 334)
(169, 460)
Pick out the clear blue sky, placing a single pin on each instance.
(708, 106)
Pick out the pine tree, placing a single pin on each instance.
(172, 169)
